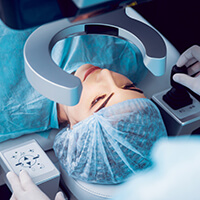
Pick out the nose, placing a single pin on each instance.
(106, 76)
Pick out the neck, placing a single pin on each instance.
(62, 116)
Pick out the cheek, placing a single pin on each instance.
(120, 79)
(81, 110)
(73, 115)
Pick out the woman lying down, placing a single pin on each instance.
(110, 131)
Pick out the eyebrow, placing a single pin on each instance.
(109, 97)
(105, 102)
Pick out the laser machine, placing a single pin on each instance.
(106, 17)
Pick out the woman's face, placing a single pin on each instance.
(101, 88)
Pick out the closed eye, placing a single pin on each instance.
(96, 100)
(104, 103)
(129, 86)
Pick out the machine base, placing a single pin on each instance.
(183, 121)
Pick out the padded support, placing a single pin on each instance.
(56, 84)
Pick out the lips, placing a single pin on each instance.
(89, 71)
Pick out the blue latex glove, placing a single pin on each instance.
(22, 109)
(175, 174)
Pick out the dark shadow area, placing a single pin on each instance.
(177, 20)
(5, 193)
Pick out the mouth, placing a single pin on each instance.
(89, 71)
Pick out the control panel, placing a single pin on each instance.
(182, 121)
(29, 156)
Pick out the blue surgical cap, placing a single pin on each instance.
(111, 144)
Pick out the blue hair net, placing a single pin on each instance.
(22, 109)
(112, 144)
(103, 51)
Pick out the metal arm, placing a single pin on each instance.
(56, 84)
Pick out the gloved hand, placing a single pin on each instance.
(190, 56)
(24, 188)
